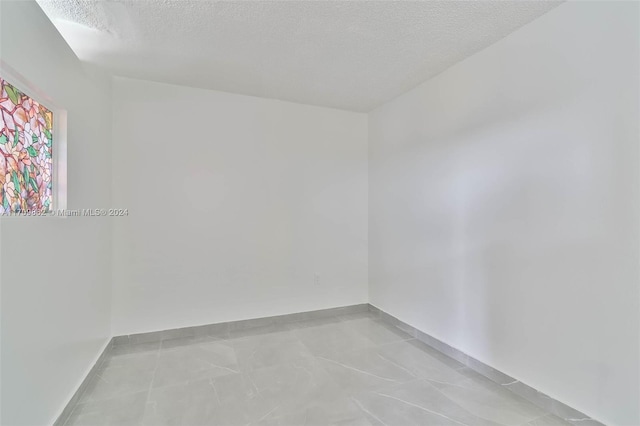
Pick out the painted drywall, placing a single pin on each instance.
(56, 274)
(503, 202)
(238, 207)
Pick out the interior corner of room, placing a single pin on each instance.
(483, 206)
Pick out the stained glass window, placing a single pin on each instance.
(26, 139)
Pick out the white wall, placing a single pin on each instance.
(503, 200)
(55, 308)
(235, 203)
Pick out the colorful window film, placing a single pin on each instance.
(26, 139)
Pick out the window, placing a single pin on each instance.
(26, 140)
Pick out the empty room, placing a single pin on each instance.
(319, 213)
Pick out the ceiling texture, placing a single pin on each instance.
(352, 55)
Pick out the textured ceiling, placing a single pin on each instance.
(352, 55)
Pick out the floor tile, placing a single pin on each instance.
(192, 403)
(416, 403)
(350, 370)
(268, 349)
(122, 374)
(232, 387)
(204, 402)
(330, 339)
(296, 384)
(410, 356)
(241, 402)
(123, 410)
(489, 400)
(445, 359)
(304, 393)
(364, 370)
(321, 412)
(548, 420)
(193, 362)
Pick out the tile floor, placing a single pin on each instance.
(349, 370)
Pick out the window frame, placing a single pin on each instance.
(59, 146)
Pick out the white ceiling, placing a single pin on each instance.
(353, 55)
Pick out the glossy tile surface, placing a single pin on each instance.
(349, 369)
